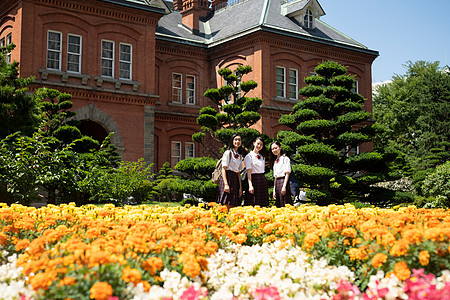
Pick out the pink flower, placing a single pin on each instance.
(193, 294)
(266, 293)
(346, 291)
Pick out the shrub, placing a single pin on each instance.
(438, 182)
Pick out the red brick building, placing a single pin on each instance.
(139, 68)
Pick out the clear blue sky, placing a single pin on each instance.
(399, 30)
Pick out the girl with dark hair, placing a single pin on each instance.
(281, 172)
(258, 193)
(230, 186)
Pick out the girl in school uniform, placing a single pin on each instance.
(230, 186)
(258, 192)
(281, 172)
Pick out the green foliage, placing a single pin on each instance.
(326, 125)
(19, 111)
(115, 186)
(234, 110)
(197, 167)
(414, 108)
(437, 183)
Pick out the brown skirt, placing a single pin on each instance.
(261, 192)
(281, 200)
(231, 198)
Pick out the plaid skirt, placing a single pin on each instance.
(281, 200)
(231, 198)
(261, 192)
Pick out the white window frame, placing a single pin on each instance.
(355, 88)
(176, 88)
(174, 159)
(190, 92)
(130, 62)
(187, 150)
(293, 86)
(107, 59)
(281, 83)
(308, 19)
(58, 52)
(8, 42)
(74, 54)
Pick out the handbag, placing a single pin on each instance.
(294, 185)
(217, 173)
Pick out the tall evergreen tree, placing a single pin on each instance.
(19, 111)
(327, 126)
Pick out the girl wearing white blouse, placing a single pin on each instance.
(258, 192)
(281, 172)
(230, 186)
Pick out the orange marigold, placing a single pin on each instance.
(152, 265)
(402, 271)
(349, 232)
(131, 275)
(67, 281)
(101, 291)
(3, 239)
(399, 248)
(22, 244)
(378, 260)
(146, 285)
(424, 257)
(357, 253)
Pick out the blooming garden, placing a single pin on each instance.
(141, 252)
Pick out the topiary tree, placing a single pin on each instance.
(235, 112)
(327, 126)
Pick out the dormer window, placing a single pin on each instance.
(305, 12)
(308, 19)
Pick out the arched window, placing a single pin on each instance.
(308, 19)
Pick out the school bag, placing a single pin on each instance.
(217, 173)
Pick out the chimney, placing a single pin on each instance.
(217, 4)
(191, 11)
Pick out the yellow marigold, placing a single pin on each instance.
(22, 244)
(131, 275)
(424, 257)
(101, 291)
(331, 244)
(402, 271)
(349, 232)
(378, 260)
(67, 281)
(347, 242)
(152, 265)
(399, 248)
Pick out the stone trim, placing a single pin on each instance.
(149, 135)
(92, 113)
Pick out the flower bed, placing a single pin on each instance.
(307, 252)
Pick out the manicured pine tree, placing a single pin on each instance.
(235, 112)
(327, 125)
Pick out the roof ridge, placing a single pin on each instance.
(343, 34)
